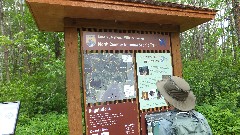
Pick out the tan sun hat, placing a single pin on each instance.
(177, 92)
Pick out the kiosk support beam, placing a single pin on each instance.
(176, 55)
(73, 81)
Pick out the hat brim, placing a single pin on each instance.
(186, 105)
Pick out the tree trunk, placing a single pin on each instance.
(201, 42)
(223, 39)
(57, 47)
(192, 49)
(6, 62)
(236, 15)
(1, 17)
(4, 47)
(1, 27)
(232, 33)
(20, 5)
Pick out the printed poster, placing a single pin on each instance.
(109, 119)
(152, 67)
(109, 77)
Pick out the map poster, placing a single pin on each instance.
(109, 77)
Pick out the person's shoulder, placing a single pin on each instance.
(198, 114)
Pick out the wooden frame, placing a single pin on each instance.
(55, 11)
(176, 55)
(111, 24)
(174, 47)
(73, 81)
(74, 84)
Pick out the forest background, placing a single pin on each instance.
(32, 68)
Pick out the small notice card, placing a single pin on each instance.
(8, 117)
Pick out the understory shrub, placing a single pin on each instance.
(48, 124)
(39, 93)
(211, 78)
(221, 121)
(224, 114)
(216, 84)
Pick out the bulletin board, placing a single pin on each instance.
(120, 71)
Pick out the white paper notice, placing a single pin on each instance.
(8, 117)
(128, 90)
(127, 58)
(105, 133)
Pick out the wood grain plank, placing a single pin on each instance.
(73, 82)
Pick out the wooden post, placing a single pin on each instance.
(176, 55)
(73, 82)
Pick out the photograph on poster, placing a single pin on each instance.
(156, 66)
(144, 70)
(108, 77)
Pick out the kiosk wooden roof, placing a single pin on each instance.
(69, 15)
(49, 14)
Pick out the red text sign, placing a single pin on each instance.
(120, 118)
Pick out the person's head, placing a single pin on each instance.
(176, 91)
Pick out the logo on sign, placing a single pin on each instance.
(90, 40)
(162, 42)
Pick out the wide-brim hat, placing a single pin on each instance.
(177, 92)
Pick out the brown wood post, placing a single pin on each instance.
(176, 55)
(73, 82)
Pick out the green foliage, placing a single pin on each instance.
(41, 92)
(4, 40)
(215, 82)
(37, 78)
(212, 77)
(49, 124)
(221, 121)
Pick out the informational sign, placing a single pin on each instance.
(124, 41)
(109, 77)
(152, 67)
(112, 74)
(8, 117)
(120, 119)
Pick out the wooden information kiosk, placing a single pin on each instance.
(116, 50)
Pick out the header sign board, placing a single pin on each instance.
(124, 41)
